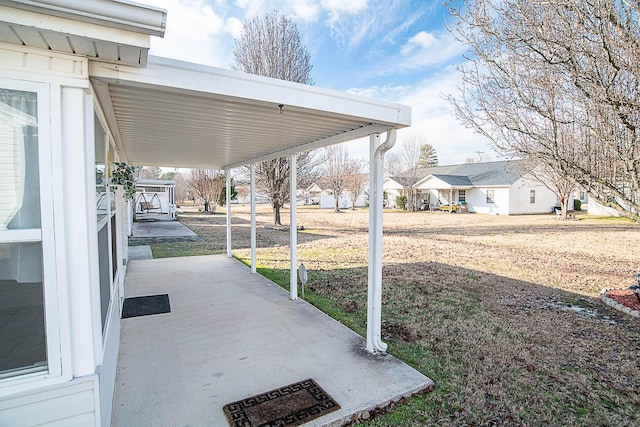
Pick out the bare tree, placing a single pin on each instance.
(183, 191)
(410, 154)
(393, 164)
(558, 82)
(148, 172)
(337, 170)
(270, 46)
(207, 184)
(356, 179)
(557, 183)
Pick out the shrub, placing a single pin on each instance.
(577, 205)
(401, 202)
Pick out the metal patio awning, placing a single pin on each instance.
(180, 114)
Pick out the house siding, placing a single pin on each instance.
(68, 404)
(477, 201)
(520, 202)
(82, 394)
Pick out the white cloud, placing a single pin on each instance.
(307, 11)
(422, 40)
(389, 92)
(194, 33)
(425, 50)
(337, 7)
(432, 118)
(234, 26)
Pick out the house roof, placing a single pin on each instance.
(454, 180)
(405, 181)
(501, 173)
(154, 182)
(104, 30)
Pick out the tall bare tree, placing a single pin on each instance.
(393, 164)
(410, 153)
(270, 46)
(555, 182)
(558, 82)
(207, 184)
(337, 170)
(149, 172)
(357, 177)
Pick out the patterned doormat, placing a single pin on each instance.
(292, 405)
(144, 306)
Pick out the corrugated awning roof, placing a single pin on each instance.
(174, 113)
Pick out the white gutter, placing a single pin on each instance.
(109, 13)
(374, 298)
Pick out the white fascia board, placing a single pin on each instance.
(61, 25)
(189, 77)
(119, 14)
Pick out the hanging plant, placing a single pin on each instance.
(123, 175)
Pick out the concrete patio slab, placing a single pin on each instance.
(139, 252)
(232, 334)
(145, 232)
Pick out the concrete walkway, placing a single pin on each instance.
(230, 335)
(136, 253)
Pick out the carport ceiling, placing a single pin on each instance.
(179, 114)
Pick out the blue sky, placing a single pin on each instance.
(396, 50)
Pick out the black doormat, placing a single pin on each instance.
(144, 306)
(292, 405)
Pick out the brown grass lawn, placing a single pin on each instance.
(501, 312)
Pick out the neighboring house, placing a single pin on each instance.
(320, 193)
(79, 92)
(490, 187)
(395, 186)
(155, 196)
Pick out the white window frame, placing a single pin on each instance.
(44, 235)
(491, 196)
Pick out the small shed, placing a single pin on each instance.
(156, 197)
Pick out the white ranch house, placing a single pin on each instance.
(78, 92)
(498, 188)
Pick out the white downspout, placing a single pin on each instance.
(293, 227)
(374, 298)
(229, 254)
(253, 217)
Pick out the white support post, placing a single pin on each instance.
(293, 228)
(253, 218)
(374, 296)
(228, 182)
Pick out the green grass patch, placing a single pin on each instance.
(281, 278)
(180, 249)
